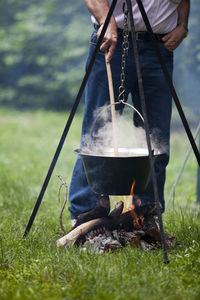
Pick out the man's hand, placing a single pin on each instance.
(100, 10)
(173, 39)
(109, 40)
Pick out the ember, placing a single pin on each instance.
(137, 227)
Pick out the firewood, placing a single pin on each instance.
(151, 228)
(101, 210)
(116, 212)
(78, 234)
(126, 221)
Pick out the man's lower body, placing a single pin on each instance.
(158, 105)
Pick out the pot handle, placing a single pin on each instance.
(103, 108)
(131, 106)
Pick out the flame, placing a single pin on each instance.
(134, 216)
(132, 188)
(128, 199)
(137, 222)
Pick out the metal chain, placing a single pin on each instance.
(125, 47)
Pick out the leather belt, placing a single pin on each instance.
(140, 35)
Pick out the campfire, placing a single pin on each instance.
(101, 232)
(113, 170)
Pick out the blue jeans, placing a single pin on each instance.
(158, 105)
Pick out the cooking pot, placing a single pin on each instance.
(110, 175)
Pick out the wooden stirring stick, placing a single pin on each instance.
(112, 101)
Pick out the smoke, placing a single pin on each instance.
(130, 139)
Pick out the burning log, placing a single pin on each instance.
(126, 221)
(96, 219)
(135, 217)
(100, 211)
(78, 234)
(137, 227)
(151, 228)
(117, 211)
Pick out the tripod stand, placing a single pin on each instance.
(76, 105)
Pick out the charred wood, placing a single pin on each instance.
(78, 235)
(96, 213)
(138, 227)
(117, 211)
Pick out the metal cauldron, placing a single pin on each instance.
(110, 175)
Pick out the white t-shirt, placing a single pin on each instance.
(162, 14)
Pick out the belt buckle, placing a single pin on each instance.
(137, 34)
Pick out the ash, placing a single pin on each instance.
(110, 241)
(99, 232)
(102, 242)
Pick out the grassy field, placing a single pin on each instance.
(34, 268)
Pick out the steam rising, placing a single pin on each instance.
(130, 139)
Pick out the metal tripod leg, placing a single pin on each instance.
(71, 116)
(146, 127)
(169, 82)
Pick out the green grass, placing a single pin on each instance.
(34, 268)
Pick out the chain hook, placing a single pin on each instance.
(125, 47)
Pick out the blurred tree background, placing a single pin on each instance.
(187, 66)
(43, 49)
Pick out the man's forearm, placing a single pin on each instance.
(183, 12)
(99, 9)
(173, 39)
